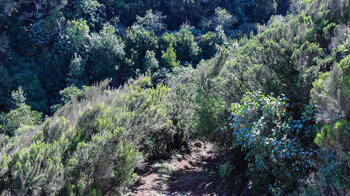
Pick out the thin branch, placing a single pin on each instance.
(24, 18)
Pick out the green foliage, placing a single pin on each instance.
(183, 41)
(186, 47)
(152, 21)
(29, 168)
(138, 41)
(331, 96)
(51, 75)
(106, 54)
(226, 169)
(129, 10)
(91, 144)
(222, 19)
(169, 58)
(72, 39)
(18, 97)
(77, 31)
(331, 93)
(22, 73)
(54, 39)
(99, 135)
(334, 137)
(177, 11)
(150, 62)
(164, 169)
(91, 11)
(210, 112)
(69, 93)
(209, 42)
(36, 95)
(23, 115)
(332, 177)
(271, 142)
(77, 73)
(105, 154)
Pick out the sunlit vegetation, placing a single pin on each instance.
(92, 90)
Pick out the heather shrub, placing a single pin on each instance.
(92, 144)
(330, 96)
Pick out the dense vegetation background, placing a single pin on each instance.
(267, 81)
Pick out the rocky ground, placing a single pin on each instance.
(192, 174)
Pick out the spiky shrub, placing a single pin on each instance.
(125, 124)
(30, 166)
(169, 60)
(331, 95)
(335, 137)
(91, 145)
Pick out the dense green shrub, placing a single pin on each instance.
(137, 42)
(186, 47)
(91, 11)
(210, 41)
(331, 96)
(331, 93)
(40, 33)
(221, 19)
(77, 71)
(150, 62)
(152, 21)
(271, 141)
(98, 136)
(169, 60)
(91, 144)
(332, 176)
(72, 38)
(33, 169)
(106, 54)
(21, 116)
(334, 137)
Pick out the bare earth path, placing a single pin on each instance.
(191, 174)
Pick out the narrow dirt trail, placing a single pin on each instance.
(191, 174)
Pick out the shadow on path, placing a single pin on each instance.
(193, 174)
